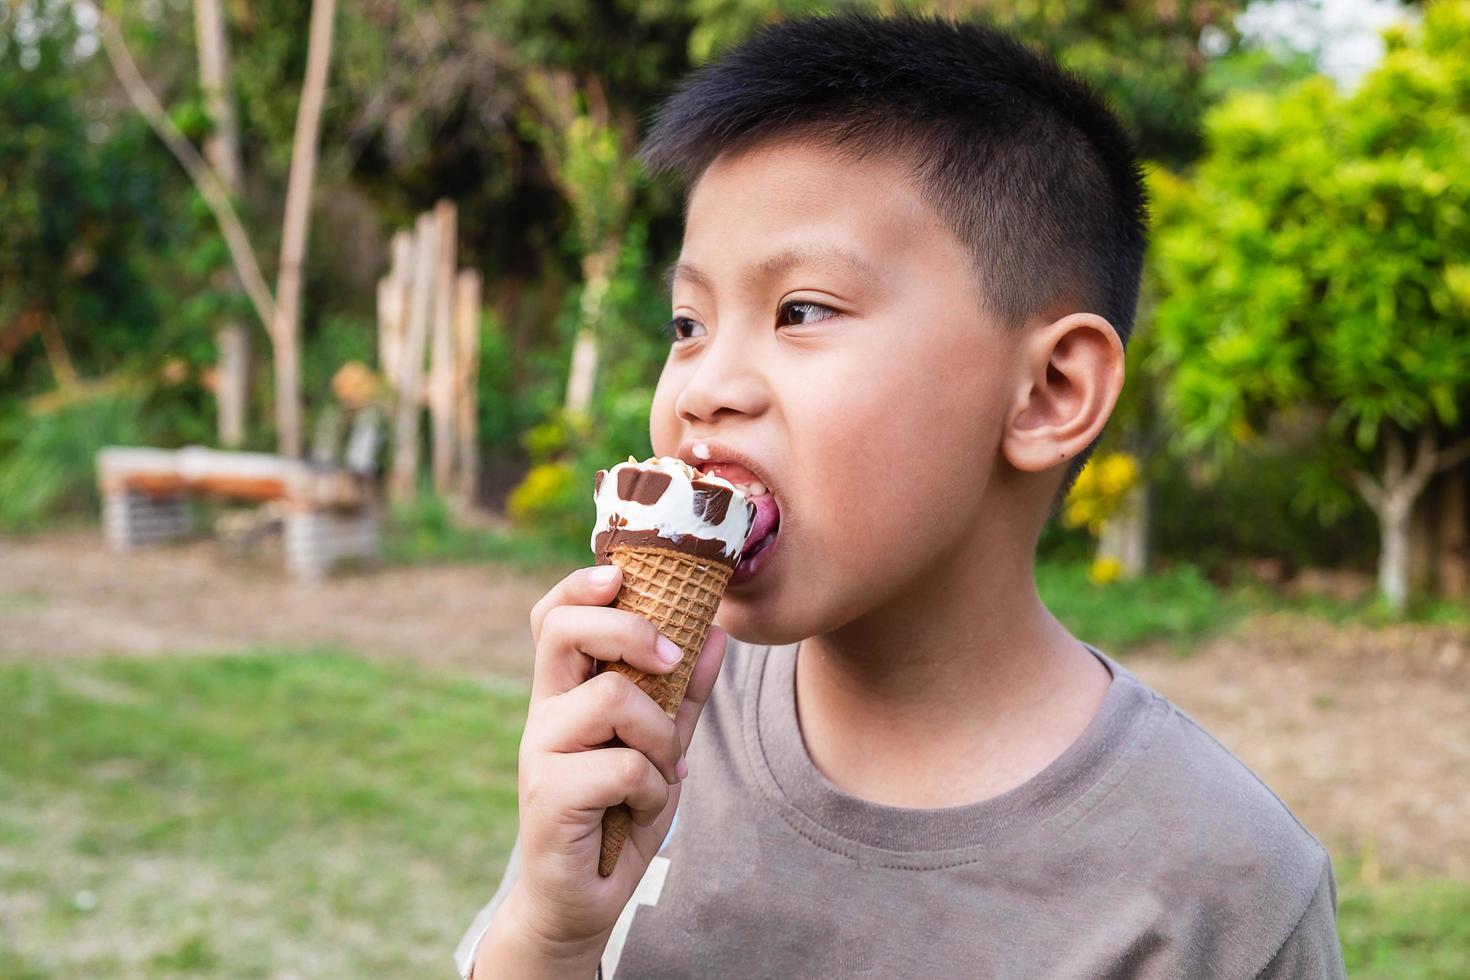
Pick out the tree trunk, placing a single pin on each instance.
(403, 482)
(467, 403)
(1124, 536)
(1391, 497)
(1423, 548)
(597, 271)
(295, 226)
(1453, 573)
(222, 150)
(442, 363)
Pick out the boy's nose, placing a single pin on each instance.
(722, 381)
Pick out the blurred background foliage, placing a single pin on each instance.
(1305, 305)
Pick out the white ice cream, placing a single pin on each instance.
(674, 514)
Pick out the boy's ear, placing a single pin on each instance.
(1071, 375)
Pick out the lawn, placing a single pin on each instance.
(265, 815)
(317, 815)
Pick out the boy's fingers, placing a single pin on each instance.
(573, 636)
(646, 840)
(608, 705)
(593, 586)
(701, 682)
(598, 779)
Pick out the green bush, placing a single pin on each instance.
(48, 458)
(1177, 606)
(1256, 505)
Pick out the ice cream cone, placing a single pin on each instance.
(677, 536)
(679, 594)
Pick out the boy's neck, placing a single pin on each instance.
(960, 689)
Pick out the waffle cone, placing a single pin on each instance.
(679, 594)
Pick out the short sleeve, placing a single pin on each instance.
(464, 953)
(1313, 949)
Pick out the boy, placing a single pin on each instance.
(911, 259)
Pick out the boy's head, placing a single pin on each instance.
(911, 258)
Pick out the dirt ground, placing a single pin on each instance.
(1365, 733)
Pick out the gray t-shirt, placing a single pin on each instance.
(1145, 850)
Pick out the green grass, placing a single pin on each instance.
(259, 815)
(1178, 606)
(1373, 611)
(1406, 930)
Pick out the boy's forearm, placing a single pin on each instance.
(510, 948)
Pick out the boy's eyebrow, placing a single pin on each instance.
(782, 261)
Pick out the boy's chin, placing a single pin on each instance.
(755, 623)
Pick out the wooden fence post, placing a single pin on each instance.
(467, 335)
(441, 382)
(409, 384)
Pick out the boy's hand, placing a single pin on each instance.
(560, 911)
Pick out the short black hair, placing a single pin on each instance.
(1024, 160)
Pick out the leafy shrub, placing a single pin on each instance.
(48, 457)
(552, 499)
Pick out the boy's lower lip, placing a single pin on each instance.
(748, 568)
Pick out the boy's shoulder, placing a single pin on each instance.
(1192, 777)
(1218, 845)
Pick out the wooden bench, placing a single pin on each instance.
(330, 513)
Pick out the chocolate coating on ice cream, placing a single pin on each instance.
(642, 486)
(663, 502)
(711, 503)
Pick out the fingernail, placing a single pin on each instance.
(682, 769)
(603, 575)
(666, 650)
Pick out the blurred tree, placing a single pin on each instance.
(222, 150)
(1316, 269)
(588, 147)
(75, 222)
(286, 326)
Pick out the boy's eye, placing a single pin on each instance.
(803, 311)
(681, 328)
(790, 314)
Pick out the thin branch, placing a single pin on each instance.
(205, 179)
(56, 353)
(1370, 490)
(1453, 456)
(1425, 459)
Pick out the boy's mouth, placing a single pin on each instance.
(760, 541)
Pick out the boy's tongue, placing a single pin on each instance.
(766, 511)
(766, 515)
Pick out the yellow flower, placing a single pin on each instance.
(1099, 491)
(1104, 570)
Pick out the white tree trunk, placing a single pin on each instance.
(1124, 536)
(1392, 498)
(1393, 556)
(222, 150)
(583, 372)
(597, 270)
(295, 226)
